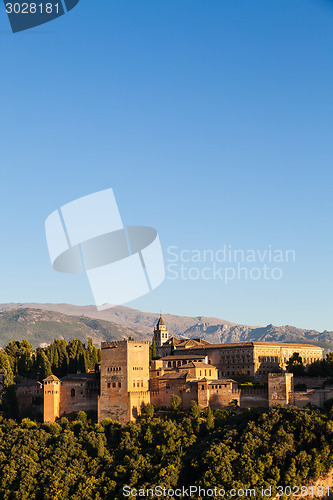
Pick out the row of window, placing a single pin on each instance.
(179, 362)
(137, 367)
(233, 373)
(73, 393)
(137, 383)
(114, 368)
(56, 392)
(270, 359)
(201, 372)
(114, 384)
(235, 359)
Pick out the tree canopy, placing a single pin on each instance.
(80, 459)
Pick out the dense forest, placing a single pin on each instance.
(19, 359)
(82, 460)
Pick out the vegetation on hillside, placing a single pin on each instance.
(82, 460)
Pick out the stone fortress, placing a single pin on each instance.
(192, 369)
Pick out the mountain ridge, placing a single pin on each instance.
(123, 322)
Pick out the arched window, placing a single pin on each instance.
(72, 393)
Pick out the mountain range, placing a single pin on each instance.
(42, 323)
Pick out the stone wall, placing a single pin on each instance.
(79, 393)
(29, 395)
(315, 397)
(253, 398)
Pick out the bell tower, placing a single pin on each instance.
(161, 333)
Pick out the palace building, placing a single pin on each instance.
(253, 359)
(192, 369)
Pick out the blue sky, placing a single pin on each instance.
(211, 120)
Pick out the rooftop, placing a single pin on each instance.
(160, 321)
(51, 378)
(196, 364)
(183, 356)
(254, 344)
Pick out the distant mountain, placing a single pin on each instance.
(119, 322)
(40, 327)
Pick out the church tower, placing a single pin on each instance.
(161, 333)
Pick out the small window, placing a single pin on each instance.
(119, 384)
(109, 385)
(113, 384)
(72, 393)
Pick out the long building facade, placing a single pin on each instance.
(253, 359)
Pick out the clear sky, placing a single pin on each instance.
(211, 120)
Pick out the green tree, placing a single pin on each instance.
(152, 350)
(175, 402)
(233, 403)
(148, 410)
(209, 419)
(295, 365)
(194, 410)
(43, 365)
(21, 357)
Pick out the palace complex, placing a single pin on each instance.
(192, 369)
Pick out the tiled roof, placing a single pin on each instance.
(26, 382)
(169, 375)
(79, 376)
(196, 364)
(51, 378)
(176, 356)
(254, 344)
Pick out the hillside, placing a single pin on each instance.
(39, 327)
(120, 321)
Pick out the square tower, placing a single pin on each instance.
(51, 389)
(280, 386)
(124, 384)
